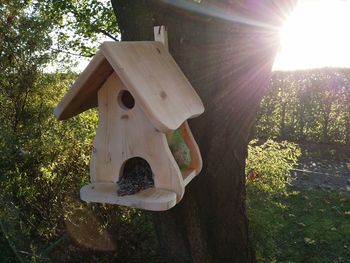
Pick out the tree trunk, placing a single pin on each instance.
(229, 65)
(301, 114)
(326, 111)
(283, 121)
(347, 128)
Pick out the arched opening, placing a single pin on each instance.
(135, 175)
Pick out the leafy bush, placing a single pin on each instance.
(267, 169)
(43, 164)
(268, 164)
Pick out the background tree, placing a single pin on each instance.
(80, 25)
(314, 107)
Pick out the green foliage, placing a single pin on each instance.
(80, 24)
(307, 105)
(307, 226)
(289, 225)
(33, 33)
(37, 170)
(6, 253)
(44, 162)
(24, 39)
(268, 164)
(268, 172)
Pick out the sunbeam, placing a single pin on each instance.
(218, 13)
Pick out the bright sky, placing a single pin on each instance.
(317, 34)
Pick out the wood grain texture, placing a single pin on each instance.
(126, 133)
(150, 199)
(148, 71)
(164, 100)
(195, 166)
(82, 94)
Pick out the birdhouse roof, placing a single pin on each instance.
(148, 72)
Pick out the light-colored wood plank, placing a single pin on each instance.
(82, 95)
(156, 81)
(150, 199)
(188, 175)
(161, 35)
(147, 69)
(125, 133)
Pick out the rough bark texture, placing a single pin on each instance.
(229, 65)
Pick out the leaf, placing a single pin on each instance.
(301, 225)
(347, 213)
(309, 241)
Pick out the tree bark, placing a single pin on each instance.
(326, 111)
(229, 65)
(347, 131)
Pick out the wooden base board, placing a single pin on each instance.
(188, 175)
(153, 199)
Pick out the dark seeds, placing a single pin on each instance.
(137, 176)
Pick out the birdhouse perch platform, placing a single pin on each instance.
(142, 96)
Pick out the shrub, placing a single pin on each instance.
(43, 164)
(268, 164)
(267, 169)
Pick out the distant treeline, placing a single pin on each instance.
(307, 106)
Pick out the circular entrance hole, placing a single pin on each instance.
(126, 100)
(135, 175)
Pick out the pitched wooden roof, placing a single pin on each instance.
(151, 75)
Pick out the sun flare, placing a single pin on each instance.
(316, 35)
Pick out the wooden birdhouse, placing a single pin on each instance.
(142, 98)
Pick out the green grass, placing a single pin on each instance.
(299, 226)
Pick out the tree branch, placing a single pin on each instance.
(108, 34)
(71, 53)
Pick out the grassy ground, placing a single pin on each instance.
(300, 226)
